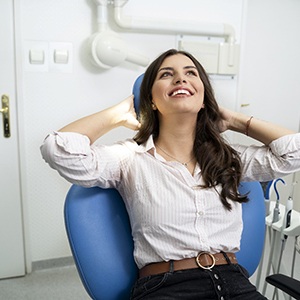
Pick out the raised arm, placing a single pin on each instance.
(260, 130)
(97, 124)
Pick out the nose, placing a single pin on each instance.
(179, 78)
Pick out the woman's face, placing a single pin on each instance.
(177, 87)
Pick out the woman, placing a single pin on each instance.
(178, 178)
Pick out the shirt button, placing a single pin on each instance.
(200, 213)
(222, 298)
(216, 276)
(219, 287)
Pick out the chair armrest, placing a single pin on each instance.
(285, 283)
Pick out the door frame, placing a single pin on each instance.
(21, 137)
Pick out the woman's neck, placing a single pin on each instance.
(177, 132)
(176, 142)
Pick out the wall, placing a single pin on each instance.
(49, 100)
(270, 70)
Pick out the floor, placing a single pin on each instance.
(50, 283)
(60, 281)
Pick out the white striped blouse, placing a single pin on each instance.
(171, 216)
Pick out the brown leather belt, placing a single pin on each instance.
(204, 260)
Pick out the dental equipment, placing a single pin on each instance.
(228, 51)
(274, 219)
(268, 195)
(107, 48)
(267, 191)
(286, 224)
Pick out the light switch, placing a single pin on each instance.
(36, 56)
(61, 56)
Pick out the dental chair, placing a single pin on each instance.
(99, 235)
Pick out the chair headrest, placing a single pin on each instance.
(136, 92)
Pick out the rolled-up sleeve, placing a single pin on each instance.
(81, 163)
(264, 163)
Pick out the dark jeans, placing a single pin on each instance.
(223, 282)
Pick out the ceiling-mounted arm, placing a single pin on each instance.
(182, 27)
(109, 50)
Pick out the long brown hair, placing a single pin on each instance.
(220, 164)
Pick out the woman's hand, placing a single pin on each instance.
(227, 117)
(126, 115)
(259, 130)
(98, 124)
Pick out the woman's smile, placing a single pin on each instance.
(181, 92)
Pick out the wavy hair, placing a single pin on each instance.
(219, 162)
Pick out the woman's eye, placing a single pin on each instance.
(166, 74)
(191, 72)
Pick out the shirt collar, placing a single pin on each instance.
(148, 146)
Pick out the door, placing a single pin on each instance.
(12, 258)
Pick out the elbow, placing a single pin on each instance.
(47, 149)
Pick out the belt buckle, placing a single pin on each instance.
(205, 267)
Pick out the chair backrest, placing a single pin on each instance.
(253, 235)
(100, 238)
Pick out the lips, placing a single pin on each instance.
(180, 91)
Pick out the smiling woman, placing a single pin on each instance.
(187, 222)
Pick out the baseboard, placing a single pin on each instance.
(53, 263)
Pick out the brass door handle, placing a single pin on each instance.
(245, 104)
(5, 115)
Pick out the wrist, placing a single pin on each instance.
(117, 115)
(248, 125)
(241, 123)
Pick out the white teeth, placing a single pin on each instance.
(181, 92)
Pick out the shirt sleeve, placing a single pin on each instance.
(81, 163)
(264, 163)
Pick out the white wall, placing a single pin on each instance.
(270, 69)
(49, 100)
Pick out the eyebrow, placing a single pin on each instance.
(172, 69)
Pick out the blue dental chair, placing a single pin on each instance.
(99, 234)
(100, 238)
